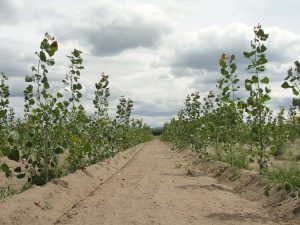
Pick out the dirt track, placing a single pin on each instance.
(155, 188)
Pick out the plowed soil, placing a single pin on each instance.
(155, 187)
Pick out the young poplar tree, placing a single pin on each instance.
(258, 90)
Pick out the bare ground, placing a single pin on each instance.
(154, 186)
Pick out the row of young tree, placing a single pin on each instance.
(232, 128)
(57, 136)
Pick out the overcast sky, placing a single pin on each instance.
(155, 52)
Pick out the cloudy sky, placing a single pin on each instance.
(155, 52)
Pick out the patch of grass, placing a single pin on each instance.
(287, 177)
(238, 158)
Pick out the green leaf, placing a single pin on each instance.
(262, 48)
(235, 81)
(254, 79)
(224, 72)
(76, 53)
(266, 98)
(249, 54)
(265, 80)
(52, 48)
(262, 60)
(222, 63)
(77, 86)
(28, 78)
(43, 56)
(268, 90)
(59, 95)
(225, 89)
(295, 91)
(44, 44)
(31, 101)
(285, 85)
(233, 68)
(248, 85)
(14, 155)
(4, 167)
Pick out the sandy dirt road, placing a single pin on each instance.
(154, 188)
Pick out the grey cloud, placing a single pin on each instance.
(16, 86)
(109, 34)
(203, 80)
(115, 38)
(204, 53)
(205, 60)
(15, 61)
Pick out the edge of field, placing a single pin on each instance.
(46, 204)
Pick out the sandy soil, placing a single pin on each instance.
(150, 184)
(156, 188)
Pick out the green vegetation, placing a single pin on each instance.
(288, 177)
(241, 131)
(57, 136)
